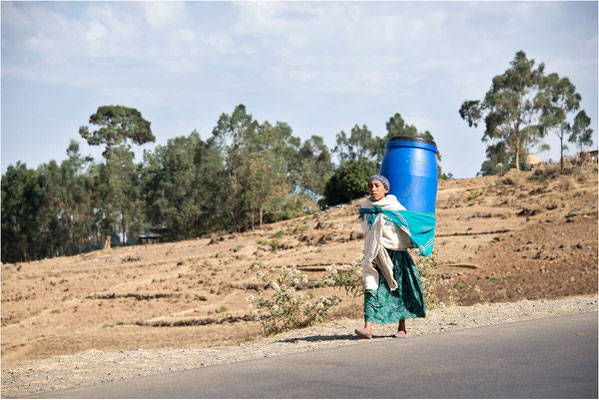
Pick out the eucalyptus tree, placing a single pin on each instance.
(498, 160)
(581, 134)
(359, 145)
(21, 202)
(507, 105)
(313, 166)
(558, 99)
(258, 160)
(181, 186)
(76, 198)
(270, 166)
(125, 186)
(233, 136)
(396, 126)
(118, 128)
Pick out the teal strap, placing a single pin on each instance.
(371, 212)
(420, 226)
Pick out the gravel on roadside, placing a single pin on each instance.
(95, 367)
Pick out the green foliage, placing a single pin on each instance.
(349, 182)
(359, 146)
(118, 124)
(507, 108)
(260, 164)
(279, 234)
(499, 161)
(181, 181)
(349, 279)
(445, 176)
(245, 174)
(288, 308)
(558, 98)
(428, 269)
(222, 309)
(312, 166)
(521, 107)
(396, 126)
(290, 231)
(460, 285)
(473, 195)
(503, 278)
(581, 134)
(273, 244)
(118, 205)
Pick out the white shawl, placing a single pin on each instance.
(382, 234)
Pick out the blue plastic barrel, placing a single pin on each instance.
(410, 165)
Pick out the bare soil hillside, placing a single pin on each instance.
(528, 235)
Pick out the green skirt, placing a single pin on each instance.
(385, 306)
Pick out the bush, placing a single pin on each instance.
(288, 308)
(351, 279)
(349, 182)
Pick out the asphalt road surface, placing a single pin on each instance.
(546, 358)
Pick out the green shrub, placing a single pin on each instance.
(288, 308)
(428, 269)
(473, 195)
(502, 278)
(349, 182)
(350, 279)
(273, 244)
(460, 285)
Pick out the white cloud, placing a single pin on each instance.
(302, 76)
(182, 66)
(162, 14)
(96, 32)
(415, 58)
(298, 40)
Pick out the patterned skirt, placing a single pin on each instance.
(385, 306)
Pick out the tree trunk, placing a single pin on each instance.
(561, 153)
(107, 242)
(517, 152)
(528, 134)
(123, 227)
(261, 214)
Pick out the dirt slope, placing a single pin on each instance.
(524, 235)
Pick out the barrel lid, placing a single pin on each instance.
(413, 139)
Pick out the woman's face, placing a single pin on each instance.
(377, 190)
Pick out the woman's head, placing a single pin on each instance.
(378, 187)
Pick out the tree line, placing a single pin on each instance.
(248, 173)
(245, 174)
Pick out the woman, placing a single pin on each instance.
(392, 285)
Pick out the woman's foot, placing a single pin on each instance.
(401, 334)
(401, 329)
(363, 333)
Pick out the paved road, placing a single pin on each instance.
(547, 358)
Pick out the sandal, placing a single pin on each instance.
(363, 333)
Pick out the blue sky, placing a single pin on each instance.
(321, 67)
